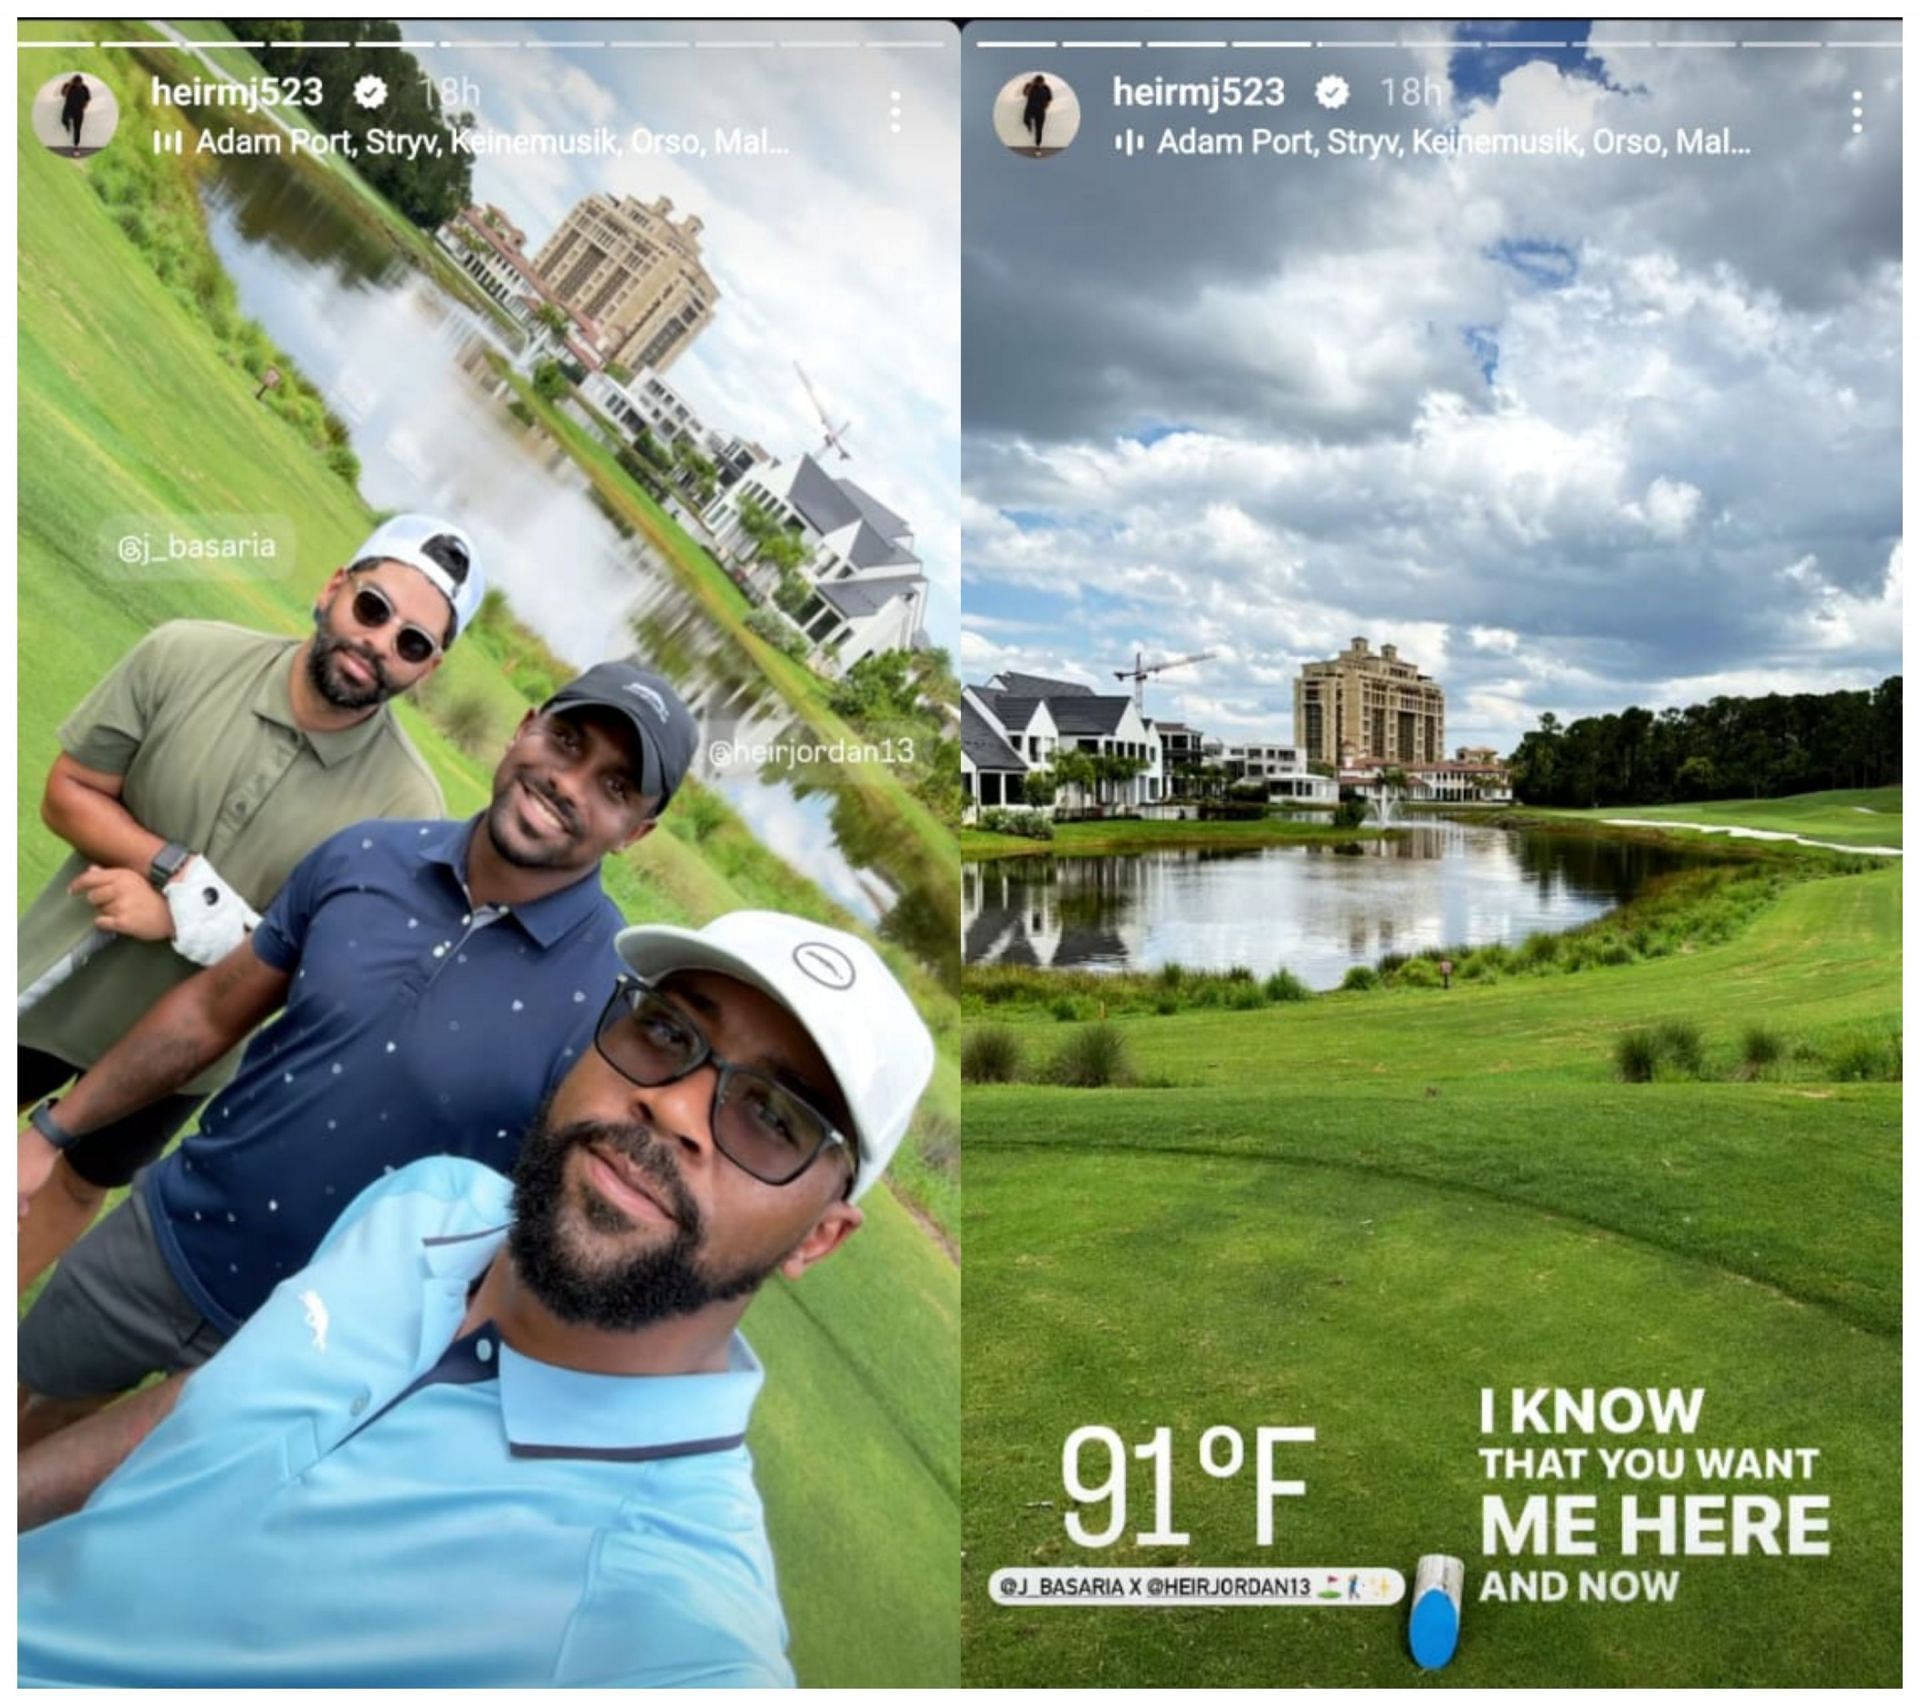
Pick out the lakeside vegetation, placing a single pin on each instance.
(1679, 913)
(130, 405)
(1138, 835)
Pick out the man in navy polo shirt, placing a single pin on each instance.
(438, 979)
(490, 1438)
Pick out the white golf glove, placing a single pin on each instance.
(210, 919)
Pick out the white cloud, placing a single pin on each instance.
(1548, 426)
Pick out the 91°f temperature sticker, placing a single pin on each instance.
(1298, 1584)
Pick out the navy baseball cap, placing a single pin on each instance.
(667, 732)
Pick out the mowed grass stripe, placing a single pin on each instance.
(1648, 1163)
(1859, 817)
(1205, 1292)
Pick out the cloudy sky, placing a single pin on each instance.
(841, 255)
(1574, 433)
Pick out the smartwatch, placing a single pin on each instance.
(166, 864)
(42, 1121)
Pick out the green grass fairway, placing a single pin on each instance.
(126, 410)
(1356, 1212)
(1855, 817)
(1137, 835)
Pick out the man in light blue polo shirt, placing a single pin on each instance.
(458, 1452)
(438, 979)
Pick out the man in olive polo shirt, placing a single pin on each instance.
(190, 783)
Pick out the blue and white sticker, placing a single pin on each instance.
(1433, 1622)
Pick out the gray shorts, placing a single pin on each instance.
(111, 1314)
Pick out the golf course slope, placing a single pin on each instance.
(1357, 1212)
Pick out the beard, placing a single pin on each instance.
(330, 684)
(504, 831)
(617, 1294)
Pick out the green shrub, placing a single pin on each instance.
(1760, 1047)
(1388, 963)
(468, 721)
(1166, 1005)
(1007, 820)
(1865, 1058)
(1170, 974)
(990, 1054)
(1238, 974)
(1093, 1056)
(1678, 1041)
(1417, 974)
(1635, 1056)
(1360, 977)
(937, 1137)
(1067, 1009)
(697, 813)
(1284, 986)
(1243, 997)
(778, 632)
(1540, 949)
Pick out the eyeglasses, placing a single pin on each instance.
(758, 1124)
(373, 609)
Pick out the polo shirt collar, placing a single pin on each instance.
(547, 919)
(627, 1418)
(274, 702)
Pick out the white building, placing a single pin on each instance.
(1039, 717)
(647, 403)
(869, 592)
(991, 771)
(1283, 769)
(1456, 782)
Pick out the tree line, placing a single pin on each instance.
(428, 187)
(1729, 748)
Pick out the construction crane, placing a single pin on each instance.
(835, 435)
(1139, 673)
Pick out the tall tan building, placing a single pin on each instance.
(1367, 704)
(623, 265)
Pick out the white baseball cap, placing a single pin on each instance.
(860, 1019)
(404, 539)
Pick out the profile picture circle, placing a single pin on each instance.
(75, 114)
(1036, 114)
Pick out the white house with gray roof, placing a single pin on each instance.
(1037, 717)
(870, 592)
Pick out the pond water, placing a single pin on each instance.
(1317, 910)
(407, 366)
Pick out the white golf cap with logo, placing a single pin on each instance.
(863, 1023)
(404, 539)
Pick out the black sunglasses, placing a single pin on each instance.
(373, 609)
(759, 1124)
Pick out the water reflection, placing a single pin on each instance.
(1316, 910)
(409, 370)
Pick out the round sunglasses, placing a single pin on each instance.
(759, 1124)
(372, 609)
